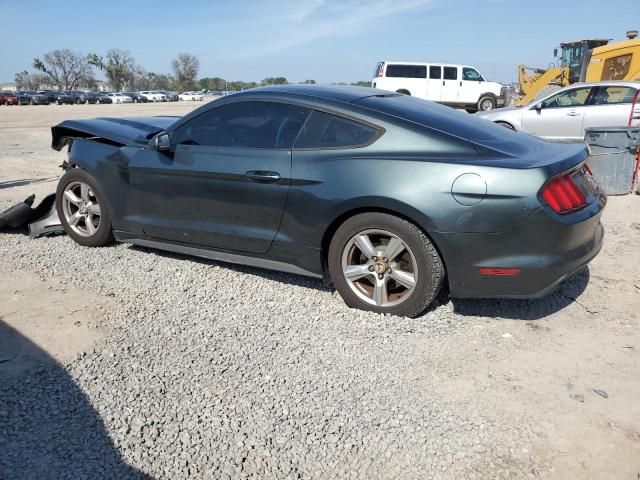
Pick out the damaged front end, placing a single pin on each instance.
(40, 220)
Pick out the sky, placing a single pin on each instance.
(325, 40)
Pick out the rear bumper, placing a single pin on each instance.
(545, 250)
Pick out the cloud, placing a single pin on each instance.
(289, 23)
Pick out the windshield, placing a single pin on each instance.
(571, 55)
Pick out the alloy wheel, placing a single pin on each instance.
(379, 267)
(81, 209)
(486, 105)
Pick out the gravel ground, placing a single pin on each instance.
(205, 370)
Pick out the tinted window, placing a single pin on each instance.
(435, 72)
(471, 74)
(613, 95)
(450, 73)
(323, 130)
(407, 71)
(244, 124)
(575, 97)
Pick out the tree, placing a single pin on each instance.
(118, 66)
(159, 81)
(64, 68)
(185, 69)
(362, 84)
(274, 81)
(309, 82)
(215, 83)
(25, 81)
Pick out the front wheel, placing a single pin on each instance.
(506, 125)
(82, 209)
(385, 264)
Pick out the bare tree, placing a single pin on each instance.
(118, 66)
(185, 69)
(64, 68)
(25, 81)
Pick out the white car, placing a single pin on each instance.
(564, 115)
(191, 96)
(119, 98)
(154, 96)
(454, 85)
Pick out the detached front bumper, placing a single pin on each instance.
(529, 260)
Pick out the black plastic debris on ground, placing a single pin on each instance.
(21, 215)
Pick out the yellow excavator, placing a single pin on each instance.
(582, 61)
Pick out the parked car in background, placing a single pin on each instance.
(63, 98)
(171, 96)
(136, 97)
(77, 96)
(119, 98)
(564, 114)
(52, 95)
(27, 97)
(299, 178)
(460, 86)
(154, 96)
(8, 98)
(103, 98)
(191, 96)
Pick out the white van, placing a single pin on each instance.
(453, 85)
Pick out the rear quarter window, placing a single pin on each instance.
(324, 130)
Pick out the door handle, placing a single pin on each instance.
(262, 176)
(443, 83)
(573, 114)
(460, 82)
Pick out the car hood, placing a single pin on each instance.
(122, 131)
(497, 112)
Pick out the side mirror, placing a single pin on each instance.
(162, 141)
(538, 106)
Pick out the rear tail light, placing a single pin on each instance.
(563, 195)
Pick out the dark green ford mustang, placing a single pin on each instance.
(387, 195)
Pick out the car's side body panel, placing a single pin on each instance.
(473, 188)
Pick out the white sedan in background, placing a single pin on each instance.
(154, 96)
(564, 115)
(119, 98)
(191, 96)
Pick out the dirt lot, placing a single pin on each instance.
(522, 389)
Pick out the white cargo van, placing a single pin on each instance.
(454, 85)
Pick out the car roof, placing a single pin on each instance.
(340, 93)
(611, 83)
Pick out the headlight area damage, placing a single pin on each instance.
(43, 219)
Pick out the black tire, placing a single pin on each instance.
(404, 92)
(471, 110)
(487, 102)
(506, 125)
(430, 268)
(103, 235)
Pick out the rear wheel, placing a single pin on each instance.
(384, 264)
(404, 92)
(487, 102)
(82, 210)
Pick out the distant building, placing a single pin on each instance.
(9, 86)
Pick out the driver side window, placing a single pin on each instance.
(576, 97)
(244, 125)
(471, 74)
